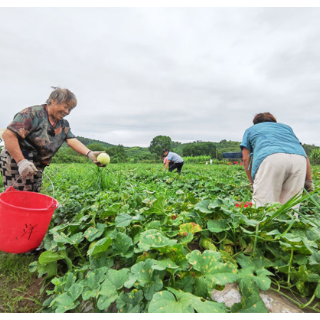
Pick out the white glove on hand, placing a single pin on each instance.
(92, 155)
(26, 168)
(308, 185)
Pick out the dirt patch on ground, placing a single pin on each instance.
(194, 246)
(18, 298)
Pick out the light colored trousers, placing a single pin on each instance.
(279, 177)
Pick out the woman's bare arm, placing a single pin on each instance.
(12, 145)
(309, 173)
(246, 163)
(77, 146)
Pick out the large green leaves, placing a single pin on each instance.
(182, 302)
(67, 300)
(93, 233)
(157, 207)
(211, 269)
(130, 302)
(142, 276)
(217, 226)
(253, 274)
(48, 256)
(154, 239)
(123, 245)
(100, 246)
(190, 227)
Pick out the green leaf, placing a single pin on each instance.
(257, 263)
(202, 206)
(64, 302)
(101, 246)
(76, 238)
(250, 304)
(123, 220)
(253, 275)
(111, 210)
(129, 302)
(317, 291)
(75, 291)
(108, 293)
(93, 233)
(314, 259)
(217, 226)
(118, 277)
(50, 269)
(152, 225)
(186, 284)
(61, 238)
(314, 278)
(94, 278)
(152, 287)
(185, 239)
(190, 227)
(33, 266)
(154, 239)
(212, 269)
(182, 302)
(177, 254)
(142, 276)
(70, 279)
(157, 207)
(48, 256)
(200, 305)
(249, 278)
(164, 264)
(165, 302)
(123, 245)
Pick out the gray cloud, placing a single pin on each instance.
(189, 73)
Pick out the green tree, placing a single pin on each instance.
(309, 148)
(96, 147)
(158, 143)
(315, 156)
(117, 154)
(200, 149)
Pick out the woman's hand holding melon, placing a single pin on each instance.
(99, 158)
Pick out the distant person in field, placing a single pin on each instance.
(174, 161)
(34, 136)
(274, 160)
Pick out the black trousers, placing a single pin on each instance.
(173, 166)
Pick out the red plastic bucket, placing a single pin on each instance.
(24, 219)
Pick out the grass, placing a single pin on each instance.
(19, 288)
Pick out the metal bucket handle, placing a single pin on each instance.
(11, 187)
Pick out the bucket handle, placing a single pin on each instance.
(11, 188)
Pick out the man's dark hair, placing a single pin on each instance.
(264, 117)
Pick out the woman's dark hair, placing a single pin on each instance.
(264, 117)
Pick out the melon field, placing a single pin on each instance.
(131, 238)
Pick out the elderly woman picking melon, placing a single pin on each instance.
(34, 136)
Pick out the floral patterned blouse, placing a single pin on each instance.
(36, 134)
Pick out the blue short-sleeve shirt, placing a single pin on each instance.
(175, 158)
(266, 138)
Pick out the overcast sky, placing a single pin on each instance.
(188, 73)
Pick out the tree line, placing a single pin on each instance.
(121, 154)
